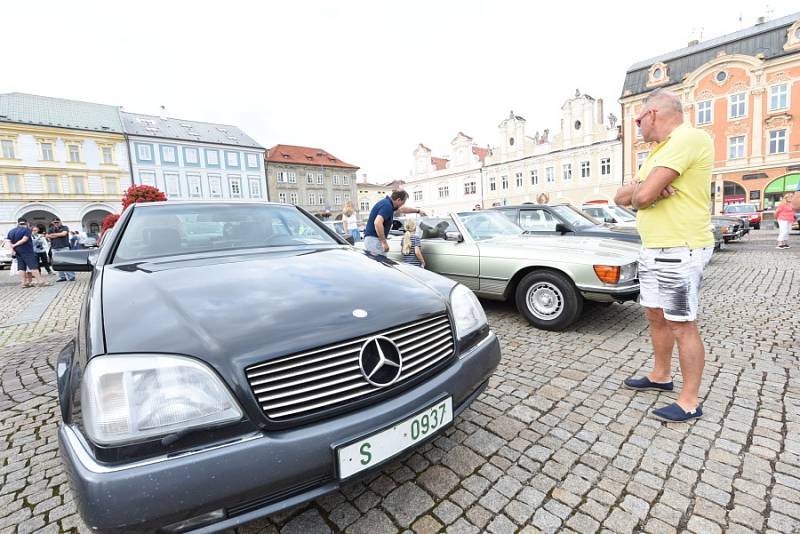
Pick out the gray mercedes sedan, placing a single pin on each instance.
(233, 360)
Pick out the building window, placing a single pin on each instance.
(703, 113)
(292, 177)
(312, 199)
(13, 183)
(169, 154)
(504, 181)
(320, 179)
(470, 188)
(736, 107)
(78, 185)
(337, 200)
(53, 184)
(8, 148)
(345, 180)
(236, 187)
(108, 155)
(293, 198)
(364, 205)
(255, 187)
(309, 178)
(74, 151)
(215, 186)
(196, 189)
(144, 152)
(112, 186)
(518, 176)
(252, 161)
(335, 179)
(778, 97)
(282, 176)
(585, 169)
(566, 172)
(282, 197)
(417, 196)
(232, 159)
(777, 141)
(736, 147)
(347, 197)
(147, 178)
(47, 151)
(550, 175)
(212, 158)
(492, 183)
(535, 177)
(640, 157)
(444, 191)
(172, 185)
(605, 166)
(190, 156)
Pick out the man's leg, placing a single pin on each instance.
(663, 343)
(61, 274)
(692, 357)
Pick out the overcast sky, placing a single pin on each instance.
(367, 80)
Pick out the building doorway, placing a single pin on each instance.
(93, 221)
(39, 218)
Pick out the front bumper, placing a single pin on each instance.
(256, 475)
(610, 293)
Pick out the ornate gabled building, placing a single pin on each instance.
(743, 88)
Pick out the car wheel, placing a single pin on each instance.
(548, 300)
(757, 226)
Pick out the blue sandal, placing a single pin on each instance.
(675, 413)
(645, 384)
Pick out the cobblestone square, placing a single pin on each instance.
(553, 445)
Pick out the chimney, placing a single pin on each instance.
(163, 113)
(693, 42)
(600, 111)
(761, 20)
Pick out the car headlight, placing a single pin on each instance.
(629, 272)
(133, 397)
(468, 313)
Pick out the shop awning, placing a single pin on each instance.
(783, 184)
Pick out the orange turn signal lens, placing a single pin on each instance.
(607, 273)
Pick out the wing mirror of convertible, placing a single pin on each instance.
(454, 236)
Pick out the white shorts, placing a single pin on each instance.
(670, 279)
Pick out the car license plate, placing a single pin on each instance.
(382, 445)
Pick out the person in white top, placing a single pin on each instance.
(350, 222)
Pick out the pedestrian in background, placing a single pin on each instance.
(380, 222)
(22, 250)
(58, 234)
(672, 194)
(784, 214)
(74, 241)
(41, 247)
(412, 246)
(350, 222)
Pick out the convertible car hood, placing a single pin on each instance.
(246, 307)
(567, 248)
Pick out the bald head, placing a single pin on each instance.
(666, 102)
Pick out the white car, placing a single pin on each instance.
(5, 254)
(612, 214)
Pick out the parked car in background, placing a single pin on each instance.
(549, 277)
(731, 228)
(612, 214)
(338, 227)
(220, 376)
(563, 219)
(748, 212)
(5, 254)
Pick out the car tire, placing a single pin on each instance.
(548, 300)
(757, 226)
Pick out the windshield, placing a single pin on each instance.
(740, 208)
(574, 217)
(621, 214)
(483, 225)
(183, 229)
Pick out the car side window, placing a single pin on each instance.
(436, 228)
(537, 221)
(511, 215)
(595, 212)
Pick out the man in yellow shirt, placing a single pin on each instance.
(672, 194)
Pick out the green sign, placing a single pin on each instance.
(783, 184)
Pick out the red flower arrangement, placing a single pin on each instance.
(134, 194)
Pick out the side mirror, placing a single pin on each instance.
(74, 260)
(562, 228)
(610, 220)
(454, 236)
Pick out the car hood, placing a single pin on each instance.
(243, 308)
(566, 248)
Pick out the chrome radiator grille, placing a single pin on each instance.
(305, 383)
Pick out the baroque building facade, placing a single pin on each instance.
(744, 90)
(60, 158)
(579, 164)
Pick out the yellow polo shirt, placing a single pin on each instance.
(684, 219)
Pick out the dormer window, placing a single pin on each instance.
(511, 141)
(658, 74)
(793, 37)
(721, 77)
(577, 125)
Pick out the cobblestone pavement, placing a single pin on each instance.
(553, 445)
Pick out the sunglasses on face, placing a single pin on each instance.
(639, 119)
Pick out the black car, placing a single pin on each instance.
(232, 360)
(559, 219)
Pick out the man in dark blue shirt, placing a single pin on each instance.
(22, 250)
(380, 221)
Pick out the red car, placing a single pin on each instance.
(745, 211)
